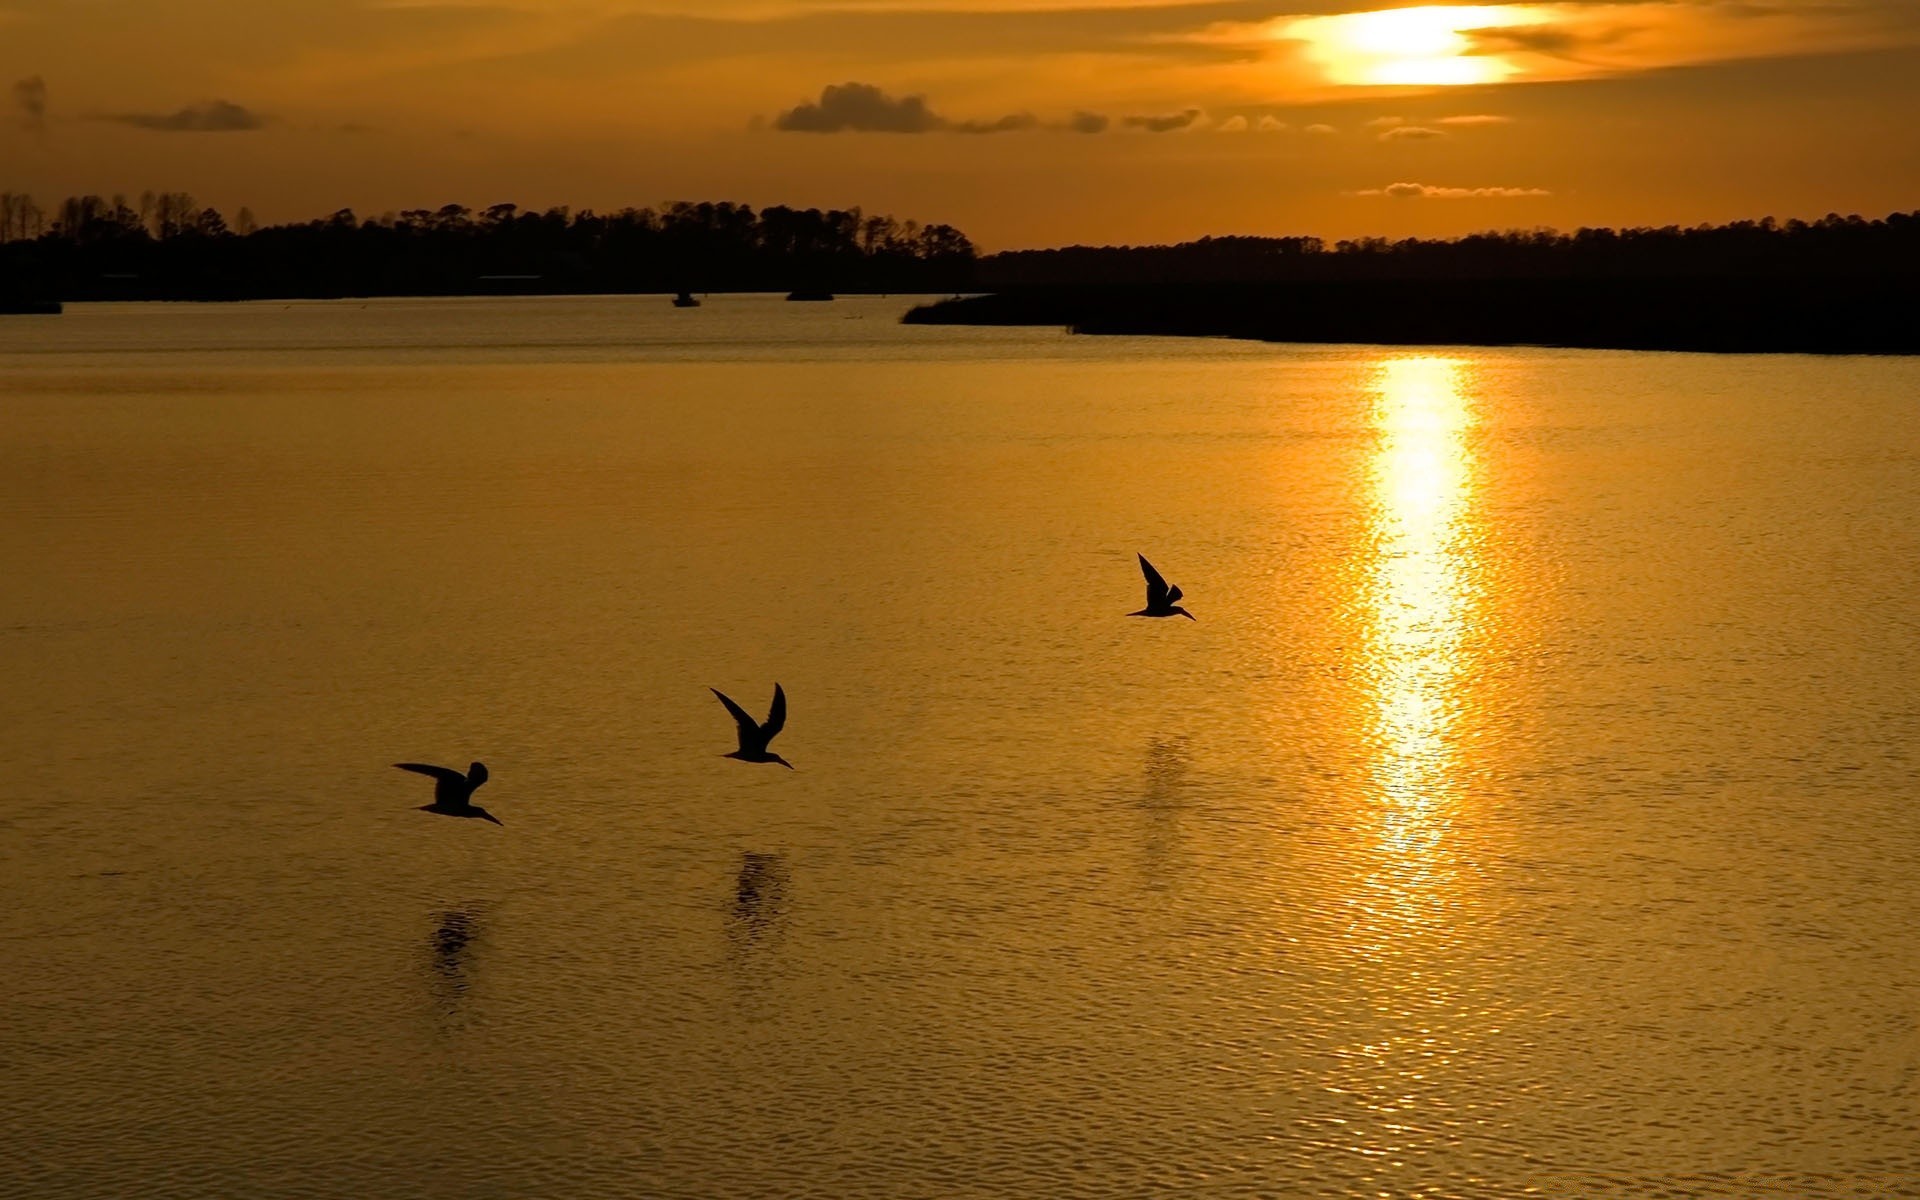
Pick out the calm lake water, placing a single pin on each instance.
(1531, 810)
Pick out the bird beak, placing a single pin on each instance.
(494, 819)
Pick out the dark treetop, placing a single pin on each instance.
(168, 248)
(1839, 284)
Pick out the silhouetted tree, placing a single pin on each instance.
(171, 247)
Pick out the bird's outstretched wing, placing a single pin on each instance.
(749, 728)
(1156, 586)
(776, 716)
(1173, 596)
(443, 774)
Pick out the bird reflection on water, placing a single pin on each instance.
(759, 899)
(1161, 801)
(450, 949)
(755, 921)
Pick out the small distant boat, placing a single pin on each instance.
(685, 300)
(31, 308)
(809, 294)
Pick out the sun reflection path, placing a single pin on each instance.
(1395, 1069)
(1420, 594)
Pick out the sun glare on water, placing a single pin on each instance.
(1426, 46)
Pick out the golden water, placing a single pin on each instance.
(1530, 810)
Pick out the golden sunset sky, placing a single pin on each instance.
(1023, 122)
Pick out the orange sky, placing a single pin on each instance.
(1023, 122)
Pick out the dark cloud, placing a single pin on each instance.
(1536, 39)
(1165, 122)
(1411, 133)
(1549, 40)
(860, 108)
(1011, 123)
(864, 108)
(215, 116)
(1088, 122)
(30, 97)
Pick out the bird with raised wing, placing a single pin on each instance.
(1161, 599)
(753, 735)
(452, 791)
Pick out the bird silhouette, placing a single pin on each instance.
(1160, 597)
(754, 737)
(452, 791)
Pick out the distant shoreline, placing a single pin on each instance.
(1828, 315)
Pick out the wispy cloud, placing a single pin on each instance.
(1166, 122)
(215, 116)
(30, 101)
(1475, 119)
(1011, 123)
(1411, 133)
(1426, 191)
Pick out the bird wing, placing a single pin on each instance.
(749, 728)
(776, 716)
(1173, 596)
(1156, 586)
(443, 774)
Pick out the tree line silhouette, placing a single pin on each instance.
(1835, 285)
(167, 247)
(1833, 246)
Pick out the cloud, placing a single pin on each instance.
(860, 108)
(864, 108)
(1475, 119)
(1272, 124)
(30, 97)
(1532, 39)
(1411, 133)
(1233, 124)
(1088, 122)
(1321, 130)
(1385, 122)
(1166, 122)
(215, 116)
(1425, 191)
(1011, 123)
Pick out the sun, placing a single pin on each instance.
(1425, 46)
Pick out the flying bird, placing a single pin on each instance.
(452, 791)
(1160, 598)
(754, 737)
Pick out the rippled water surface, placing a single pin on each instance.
(1530, 810)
